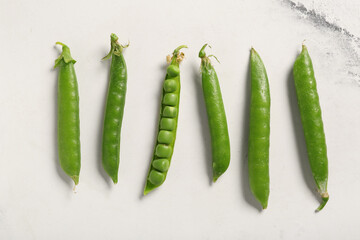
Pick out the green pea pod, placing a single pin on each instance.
(114, 109)
(259, 132)
(310, 111)
(68, 115)
(168, 124)
(220, 143)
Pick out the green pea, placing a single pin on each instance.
(173, 70)
(220, 142)
(163, 151)
(170, 99)
(165, 137)
(114, 110)
(170, 112)
(156, 178)
(68, 115)
(161, 164)
(167, 124)
(259, 131)
(311, 119)
(170, 85)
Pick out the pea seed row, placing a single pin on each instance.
(258, 156)
(168, 124)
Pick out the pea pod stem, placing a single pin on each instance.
(202, 53)
(176, 51)
(176, 57)
(65, 55)
(116, 48)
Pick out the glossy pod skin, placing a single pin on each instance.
(310, 111)
(169, 112)
(259, 132)
(114, 109)
(220, 143)
(68, 115)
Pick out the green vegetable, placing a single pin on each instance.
(310, 111)
(259, 133)
(114, 109)
(220, 142)
(167, 125)
(68, 115)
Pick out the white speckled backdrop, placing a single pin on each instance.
(37, 200)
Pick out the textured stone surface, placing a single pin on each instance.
(37, 201)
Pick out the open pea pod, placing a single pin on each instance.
(169, 113)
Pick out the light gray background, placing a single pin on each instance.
(37, 200)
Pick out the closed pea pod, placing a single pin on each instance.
(68, 115)
(310, 112)
(167, 125)
(220, 143)
(114, 109)
(259, 131)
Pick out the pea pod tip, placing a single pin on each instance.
(114, 179)
(216, 176)
(304, 48)
(325, 199)
(75, 179)
(146, 191)
(264, 205)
